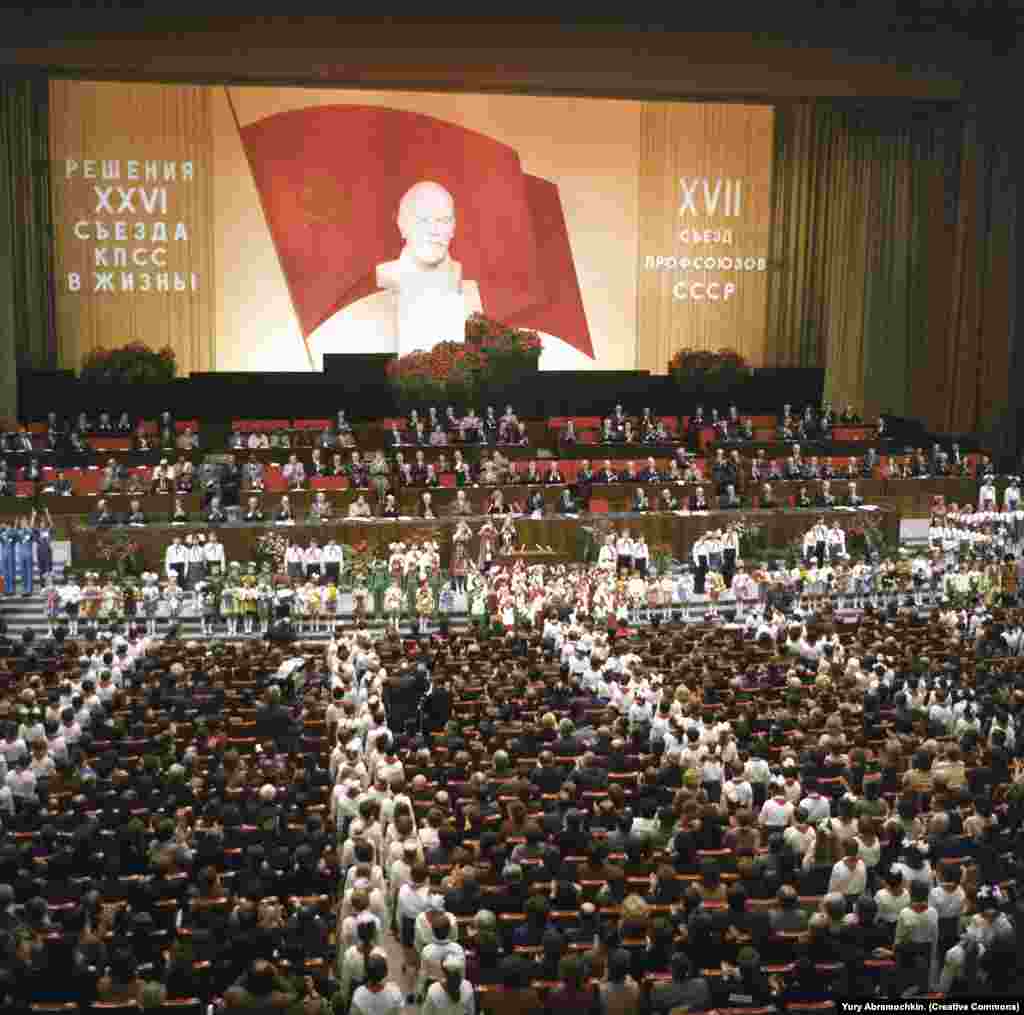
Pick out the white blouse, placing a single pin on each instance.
(890, 906)
(947, 903)
(919, 928)
(438, 1001)
(388, 1001)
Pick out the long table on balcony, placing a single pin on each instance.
(907, 497)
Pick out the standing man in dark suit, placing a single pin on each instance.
(437, 707)
(274, 722)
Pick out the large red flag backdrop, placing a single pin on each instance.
(330, 179)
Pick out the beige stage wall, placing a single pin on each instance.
(618, 167)
(144, 123)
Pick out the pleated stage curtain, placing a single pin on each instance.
(892, 254)
(27, 337)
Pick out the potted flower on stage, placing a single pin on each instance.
(701, 373)
(134, 363)
(492, 356)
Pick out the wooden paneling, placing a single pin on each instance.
(119, 121)
(712, 142)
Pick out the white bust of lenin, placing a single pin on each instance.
(432, 300)
(423, 298)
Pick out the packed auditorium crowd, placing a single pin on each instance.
(563, 813)
(602, 793)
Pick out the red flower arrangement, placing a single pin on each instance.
(493, 354)
(699, 371)
(134, 363)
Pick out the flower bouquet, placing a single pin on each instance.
(134, 363)
(120, 551)
(269, 551)
(702, 373)
(510, 354)
(493, 355)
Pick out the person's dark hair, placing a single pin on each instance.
(737, 898)
(619, 964)
(487, 946)
(682, 968)
(366, 931)
(260, 978)
(376, 967)
(515, 974)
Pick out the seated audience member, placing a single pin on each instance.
(729, 499)
(697, 500)
(253, 510)
(320, 508)
(252, 475)
(61, 485)
(360, 507)
(216, 515)
(294, 473)
(649, 473)
(284, 511)
(825, 497)
(136, 516)
(472, 428)
(567, 435)
(104, 516)
(461, 504)
(188, 440)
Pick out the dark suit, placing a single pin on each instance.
(696, 505)
(591, 779)
(547, 779)
(274, 722)
(437, 708)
